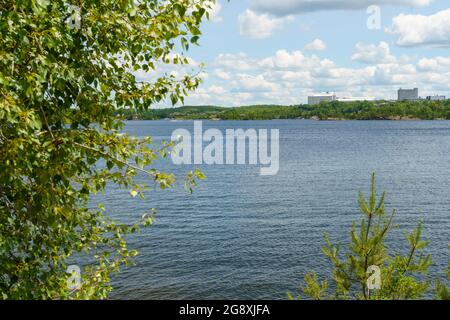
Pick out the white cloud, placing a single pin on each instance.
(289, 7)
(203, 75)
(259, 26)
(415, 30)
(222, 74)
(235, 62)
(295, 60)
(287, 77)
(255, 83)
(434, 64)
(214, 12)
(216, 89)
(373, 54)
(284, 59)
(316, 45)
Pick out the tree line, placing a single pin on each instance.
(335, 110)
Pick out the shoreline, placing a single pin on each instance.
(310, 119)
(333, 111)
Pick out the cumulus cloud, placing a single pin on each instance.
(216, 89)
(259, 26)
(288, 7)
(214, 12)
(316, 45)
(258, 83)
(287, 77)
(222, 74)
(295, 60)
(434, 64)
(373, 54)
(416, 30)
(234, 62)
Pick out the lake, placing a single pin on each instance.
(241, 235)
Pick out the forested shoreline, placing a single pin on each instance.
(360, 110)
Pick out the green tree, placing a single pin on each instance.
(66, 78)
(401, 276)
(442, 292)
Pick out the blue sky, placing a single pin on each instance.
(279, 51)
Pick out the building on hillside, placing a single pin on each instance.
(408, 94)
(321, 97)
(436, 98)
(354, 99)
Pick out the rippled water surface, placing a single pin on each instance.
(246, 236)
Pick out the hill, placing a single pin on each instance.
(335, 110)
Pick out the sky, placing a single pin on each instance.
(280, 51)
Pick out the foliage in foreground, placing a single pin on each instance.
(401, 275)
(442, 291)
(63, 88)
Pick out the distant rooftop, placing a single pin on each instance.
(349, 99)
(323, 94)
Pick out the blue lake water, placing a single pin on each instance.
(246, 236)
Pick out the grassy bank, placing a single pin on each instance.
(379, 110)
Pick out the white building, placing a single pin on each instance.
(354, 99)
(321, 97)
(436, 98)
(408, 94)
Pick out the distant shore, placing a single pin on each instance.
(312, 119)
(331, 111)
